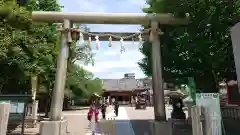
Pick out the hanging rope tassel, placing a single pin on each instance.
(122, 49)
(140, 39)
(80, 42)
(97, 42)
(110, 42)
(81, 38)
(90, 43)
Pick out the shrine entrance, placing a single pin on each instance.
(69, 34)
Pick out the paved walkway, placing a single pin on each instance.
(129, 122)
(140, 118)
(77, 121)
(123, 125)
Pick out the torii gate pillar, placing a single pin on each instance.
(235, 31)
(159, 125)
(157, 78)
(57, 125)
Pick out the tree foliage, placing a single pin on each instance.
(82, 83)
(202, 49)
(28, 48)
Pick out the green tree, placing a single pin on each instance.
(31, 49)
(202, 49)
(82, 83)
(32, 45)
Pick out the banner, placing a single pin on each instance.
(211, 102)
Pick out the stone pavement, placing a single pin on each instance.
(77, 121)
(140, 118)
(122, 123)
(129, 121)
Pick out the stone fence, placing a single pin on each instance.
(31, 116)
(230, 123)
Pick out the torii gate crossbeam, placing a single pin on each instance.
(105, 18)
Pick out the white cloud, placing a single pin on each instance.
(118, 75)
(114, 28)
(109, 62)
(84, 6)
(137, 3)
(132, 55)
(127, 61)
(110, 65)
(109, 53)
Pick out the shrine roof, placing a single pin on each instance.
(122, 84)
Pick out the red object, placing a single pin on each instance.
(232, 90)
(93, 111)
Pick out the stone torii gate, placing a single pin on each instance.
(56, 125)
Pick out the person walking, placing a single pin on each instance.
(116, 106)
(93, 117)
(103, 110)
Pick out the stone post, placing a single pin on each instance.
(35, 111)
(189, 107)
(196, 120)
(4, 115)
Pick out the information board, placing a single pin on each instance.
(211, 102)
(16, 107)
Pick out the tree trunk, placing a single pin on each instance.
(49, 99)
(35, 85)
(48, 106)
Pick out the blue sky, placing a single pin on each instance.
(109, 62)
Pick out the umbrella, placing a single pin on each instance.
(176, 93)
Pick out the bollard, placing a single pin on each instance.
(4, 115)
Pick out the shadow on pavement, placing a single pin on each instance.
(140, 127)
(75, 108)
(21, 134)
(136, 127)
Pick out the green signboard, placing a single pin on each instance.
(18, 103)
(192, 87)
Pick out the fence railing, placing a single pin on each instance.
(230, 112)
(200, 120)
(31, 110)
(203, 121)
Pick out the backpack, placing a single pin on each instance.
(89, 117)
